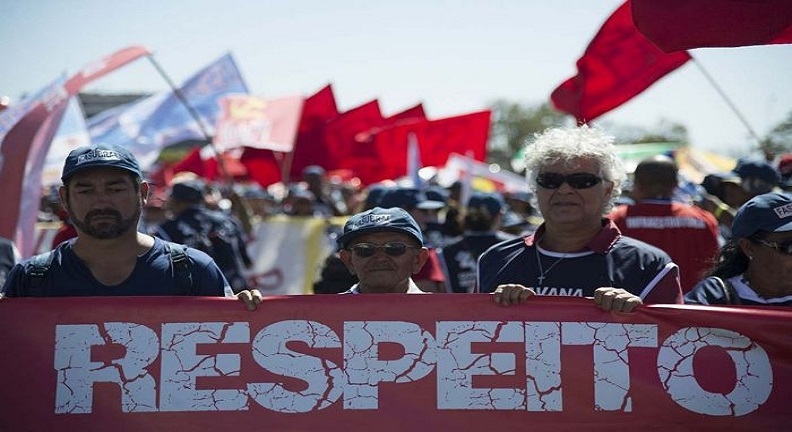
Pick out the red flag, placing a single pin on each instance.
(676, 25)
(340, 134)
(412, 113)
(25, 137)
(203, 162)
(310, 148)
(618, 64)
(385, 155)
(262, 166)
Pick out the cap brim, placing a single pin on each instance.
(430, 205)
(345, 239)
(784, 228)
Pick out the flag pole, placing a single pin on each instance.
(194, 114)
(726, 98)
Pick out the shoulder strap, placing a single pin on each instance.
(36, 270)
(180, 268)
(729, 294)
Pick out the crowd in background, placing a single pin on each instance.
(458, 224)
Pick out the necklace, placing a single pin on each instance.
(542, 272)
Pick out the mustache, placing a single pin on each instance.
(102, 212)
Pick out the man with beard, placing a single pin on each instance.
(103, 193)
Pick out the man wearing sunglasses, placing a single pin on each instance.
(578, 251)
(384, 248)
(755, 266)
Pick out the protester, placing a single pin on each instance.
(327, 200)
(755, 266)
(9, 256)
(103, 193)
(482, 219)
(383, 248)
(209, 231)
(726, 192)
(685, 232)
(421, 209)
(576, 176)
(785, 170)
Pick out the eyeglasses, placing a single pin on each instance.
(365, 250)
(577, 180)
(782, 248)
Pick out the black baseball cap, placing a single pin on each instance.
(492, 202)
(380, 219)
(99, 156)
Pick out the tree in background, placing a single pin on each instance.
(514, 125)
(779, 139)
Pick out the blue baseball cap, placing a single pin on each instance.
(491, 202)
(380, 219)
(99, 156)
(757, 176)
(408, 198)
(771, 212)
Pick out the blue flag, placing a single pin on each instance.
(148, 125)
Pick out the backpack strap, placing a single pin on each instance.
(729, 293)
(36, 270)
(180, 268)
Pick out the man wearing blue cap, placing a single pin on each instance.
(103, 192)
(755, 266)
(384, 248)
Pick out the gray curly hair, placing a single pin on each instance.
(570, 144)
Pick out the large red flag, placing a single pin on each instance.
(384, 155)
(25, 137)
(310, 148)
(618, 64)
(676, 25)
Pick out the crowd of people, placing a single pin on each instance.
(578, 229)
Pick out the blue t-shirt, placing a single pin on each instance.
(68, 276)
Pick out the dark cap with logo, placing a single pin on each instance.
(771, 212)
(380, 219)
(99, 156)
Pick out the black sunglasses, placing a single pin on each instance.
(782, 248)
(365, 250)
(578, 180)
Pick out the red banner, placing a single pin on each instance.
(370, 362)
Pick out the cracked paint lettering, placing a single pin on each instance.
(611, 362)
(324, 378)
(181, 366)
(457, 365)
(754, 372)
(77, 373)
(364, 370)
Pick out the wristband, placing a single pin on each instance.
(722, 207)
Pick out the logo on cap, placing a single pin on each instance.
(372, 219)
(783, 211)
(98, 154)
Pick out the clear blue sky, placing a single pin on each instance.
(453, 56)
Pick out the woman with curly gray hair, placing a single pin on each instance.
(578, 251)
